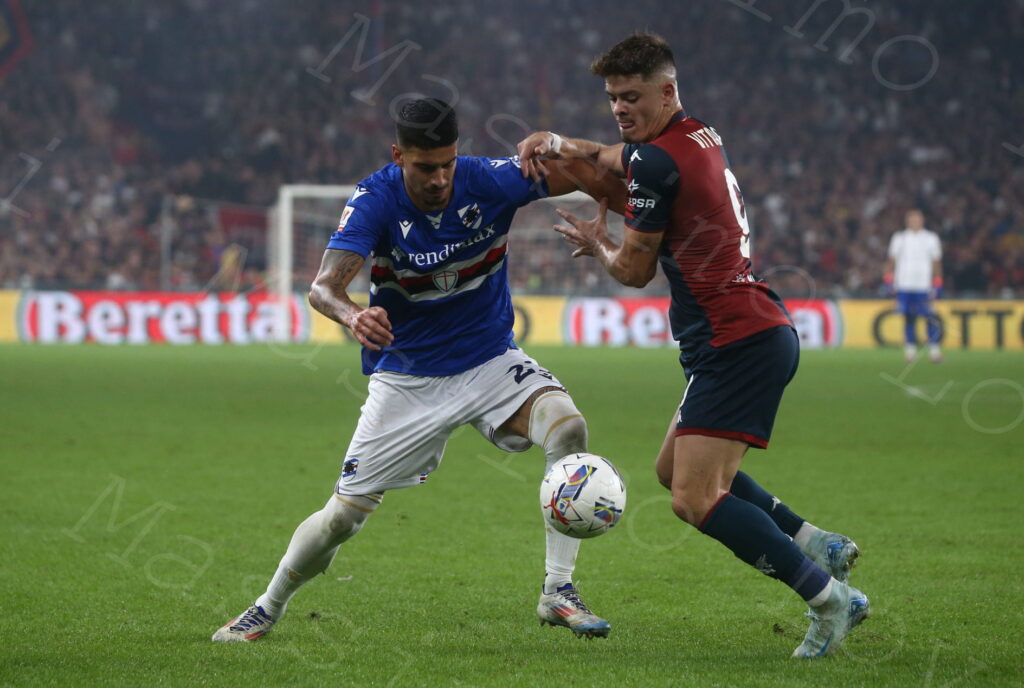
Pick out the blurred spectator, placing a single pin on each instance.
(138, 114)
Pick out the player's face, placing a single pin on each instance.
(915, 219)
(641, 107)
(427, 174)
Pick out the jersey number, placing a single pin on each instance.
(522, 372)
(740, 210)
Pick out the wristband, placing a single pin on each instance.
(556, 143)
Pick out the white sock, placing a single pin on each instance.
(560, 560)
(804, 535)
(558, 427)
(822, 597)
(313, 547)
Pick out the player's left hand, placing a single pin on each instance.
(585, 234)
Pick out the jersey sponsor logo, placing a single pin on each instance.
(428, 258)
(632, 186)
(470, 216)
(639, 203)
(706, 137)
(405, 226)
(454, 278)
(344, 217)
(360, 190)
(446, 280)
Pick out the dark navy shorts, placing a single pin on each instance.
(734, 391)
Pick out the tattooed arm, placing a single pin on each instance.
(329, 296)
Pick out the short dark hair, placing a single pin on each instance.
(426, 123)
(642, 53)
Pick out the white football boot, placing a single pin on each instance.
(252, 624)
(835, 553)
(565, 608)
(832, 621)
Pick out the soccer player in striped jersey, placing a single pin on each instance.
(437, 344)
(737, 343)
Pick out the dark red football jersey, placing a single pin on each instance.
(680, 184)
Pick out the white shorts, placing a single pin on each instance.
(407, 419)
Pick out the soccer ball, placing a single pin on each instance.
(582, 495)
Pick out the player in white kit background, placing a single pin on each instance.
(914, 270)
(437, 344)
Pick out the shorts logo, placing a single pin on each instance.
(446, 280)
(348, 469)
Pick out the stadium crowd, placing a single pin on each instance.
(130, 126)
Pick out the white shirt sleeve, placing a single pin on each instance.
(894, 248)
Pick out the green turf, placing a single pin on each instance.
(220, 452)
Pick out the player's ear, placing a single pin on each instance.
(396, 155)
(669, 92)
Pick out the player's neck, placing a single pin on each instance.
(665, 120)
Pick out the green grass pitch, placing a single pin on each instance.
(148, 493)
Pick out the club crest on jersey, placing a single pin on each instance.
(445, 280)
(348, 469)
(470, 216)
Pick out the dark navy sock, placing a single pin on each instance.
(753, 537)
(744, 487)
(909, 328)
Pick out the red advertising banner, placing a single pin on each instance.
(148, 317)
(644, 322)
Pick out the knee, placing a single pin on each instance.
(572, 435)
(346, 518)
(341, 525)
(557, 425)
(692, 505)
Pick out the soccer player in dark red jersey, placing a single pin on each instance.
(738, 346)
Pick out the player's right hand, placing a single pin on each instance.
(372, 328)
(537, 144)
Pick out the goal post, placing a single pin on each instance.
(281, 242)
